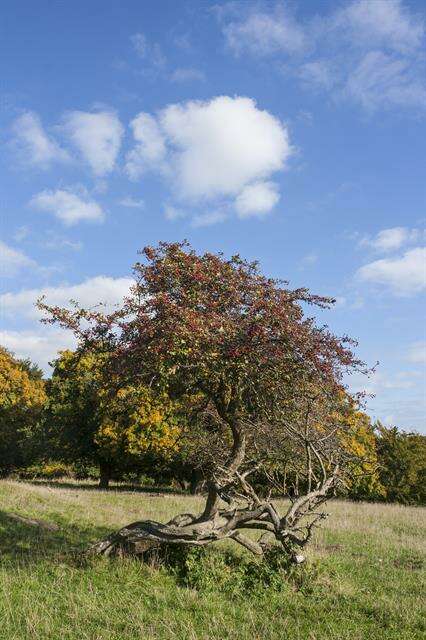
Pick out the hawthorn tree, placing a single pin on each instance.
(263, 382)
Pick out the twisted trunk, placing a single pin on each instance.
(292, 531)
(228, 472)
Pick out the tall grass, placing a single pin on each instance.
(369, 581)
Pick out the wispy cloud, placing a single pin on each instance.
(132, 203)
(208, 219)
(308, 261)
(150, 53)
(417, 352)
(369, 51)
(187, 74)
(13, 260)
(266, 33)
(403, 275)
(392, 239)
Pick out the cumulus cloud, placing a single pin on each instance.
(150, 149)
(41, 346)
(68, 206)
(97, 137)
(257, 199)
(36, 147)
(225, 148)
(368, 51)
(40, 342)
(404, 275)
(222, 145)
(100, 289)
(13, 260)
(392, 239)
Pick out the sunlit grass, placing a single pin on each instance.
(370, 583)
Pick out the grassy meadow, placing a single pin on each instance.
(367, 565)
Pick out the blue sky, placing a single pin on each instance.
(293, 133)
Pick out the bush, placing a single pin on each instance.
(47, 470)
(237, 575)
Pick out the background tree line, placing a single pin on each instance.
(76, 423)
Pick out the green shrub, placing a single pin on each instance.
(48, 470)
(237, 575)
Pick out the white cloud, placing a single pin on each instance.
(308, 261)
(222, 145)
(318, 74)
(140, 44)
(13, 260)
(41, 345)
(68, 206)
(150, 53)
(100, 289)
(417, 352)
(392, 239)
(382, 80)
(187, 74)
(57, 243)
(36, 147)
(368, 51)
(386, 23)
(150, 149)
(41, 342)
(257, 199)
(132, 203)
(405, 275)
(97, 136)
(173, 213)
(224, 148)
(265, 33)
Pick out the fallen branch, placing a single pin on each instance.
(33, 522)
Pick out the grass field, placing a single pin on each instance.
(370, 583)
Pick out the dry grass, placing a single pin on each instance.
(370, 582)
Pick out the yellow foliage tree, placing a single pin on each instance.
(359, 439)
(22, 398)
(96, 419)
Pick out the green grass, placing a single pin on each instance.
(370, 584)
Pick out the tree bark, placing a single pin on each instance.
(230, 468)
(197, 483)
(105, 472)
